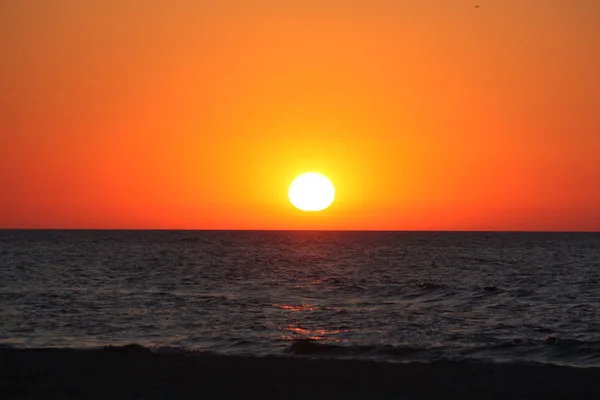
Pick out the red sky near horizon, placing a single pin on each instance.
(425, 114)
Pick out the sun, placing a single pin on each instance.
(311, 192)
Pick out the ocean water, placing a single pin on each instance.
(391, 296)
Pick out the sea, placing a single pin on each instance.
(386, 296)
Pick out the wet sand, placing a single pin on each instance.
(133, 372)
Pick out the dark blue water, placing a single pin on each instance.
(394, 296)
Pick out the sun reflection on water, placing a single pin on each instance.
(295, 329)
(291, 307)
(299, 332)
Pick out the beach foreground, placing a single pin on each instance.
(133, 372)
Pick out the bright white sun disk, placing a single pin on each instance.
(311, 192)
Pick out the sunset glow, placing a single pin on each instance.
(426, 115)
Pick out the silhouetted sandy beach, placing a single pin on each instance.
(133, 372)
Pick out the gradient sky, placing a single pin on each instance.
(426, 114)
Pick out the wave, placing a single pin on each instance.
(310, 347)
(550, 350)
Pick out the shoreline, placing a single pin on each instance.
(133, 372)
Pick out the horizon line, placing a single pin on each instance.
(298, 230)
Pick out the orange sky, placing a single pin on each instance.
(426, 114)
